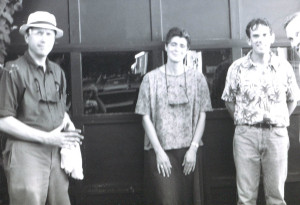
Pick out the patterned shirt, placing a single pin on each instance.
(261, 91)
(174, 124)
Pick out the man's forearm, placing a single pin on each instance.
(14, 127)
(291, 106)
(231, 108)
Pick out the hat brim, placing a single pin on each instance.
(59, 32)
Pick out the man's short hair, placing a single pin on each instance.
(254, 23)
(290, 18)
(175, 31)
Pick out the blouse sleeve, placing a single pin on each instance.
(143, 102)
(203, 94)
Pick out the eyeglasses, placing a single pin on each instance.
(177, 94)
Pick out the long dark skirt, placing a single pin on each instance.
(178, 189)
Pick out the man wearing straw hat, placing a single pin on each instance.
(32, 116)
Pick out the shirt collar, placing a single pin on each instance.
(273, 62)
(33, 64)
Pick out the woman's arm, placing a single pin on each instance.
(190, 157)
(162, 159)
(199, 130)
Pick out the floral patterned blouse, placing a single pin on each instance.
(175, 125)
(261, 91)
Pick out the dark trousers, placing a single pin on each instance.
(177, 189)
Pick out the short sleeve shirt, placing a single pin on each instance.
(35, 97)
(261, 91)
(174, 124)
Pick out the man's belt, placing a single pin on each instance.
(263, 125)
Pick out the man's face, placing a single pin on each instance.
(261, 39)
(293, 34)
(40, 41)
(176, 49)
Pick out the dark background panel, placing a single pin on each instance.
(113, 163)
(115, 21)
(203, 19)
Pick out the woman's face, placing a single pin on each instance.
(176, 49)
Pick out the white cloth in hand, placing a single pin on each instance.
(71, 161)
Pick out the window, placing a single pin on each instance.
(215, 64)
(111, 81)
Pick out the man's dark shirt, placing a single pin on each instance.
(34, 97)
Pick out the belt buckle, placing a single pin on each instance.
(265, 125)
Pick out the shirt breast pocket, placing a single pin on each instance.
(50, 94)
(54, 97)
(54, 92)
(38, 95)
(51, 91)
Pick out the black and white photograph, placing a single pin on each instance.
(149, 102)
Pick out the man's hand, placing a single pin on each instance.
(64, 137)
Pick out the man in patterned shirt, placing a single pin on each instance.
(260, 94)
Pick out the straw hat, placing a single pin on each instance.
(41, 19)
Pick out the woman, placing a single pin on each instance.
(173, 100)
